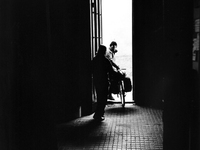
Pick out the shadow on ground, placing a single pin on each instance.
(79, 133)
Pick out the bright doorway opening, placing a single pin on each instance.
(117, 26)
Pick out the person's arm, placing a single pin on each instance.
(114, 65)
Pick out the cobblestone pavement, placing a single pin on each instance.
(131, 128)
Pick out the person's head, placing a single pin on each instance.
(102, 50)
(113, 46)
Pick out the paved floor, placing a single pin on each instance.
(131, 128)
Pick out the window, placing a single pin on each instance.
(95, 25)
(95, 32)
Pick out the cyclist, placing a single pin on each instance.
(111, 56)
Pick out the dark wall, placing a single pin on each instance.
(148, 52)
(178, 25)
(7, 68)
(45, 73)
(69, 29)
(163, 64)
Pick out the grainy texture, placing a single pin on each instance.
(131, 128)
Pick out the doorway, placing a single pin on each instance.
(117, 26)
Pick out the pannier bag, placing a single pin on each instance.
(127, 84)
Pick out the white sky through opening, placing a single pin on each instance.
(117, 24)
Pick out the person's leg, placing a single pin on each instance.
(102, 93)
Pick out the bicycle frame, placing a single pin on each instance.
(122, 92)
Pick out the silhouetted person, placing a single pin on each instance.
(111, 56)
(101, 68)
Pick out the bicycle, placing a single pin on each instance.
(122, 92)
(118, 86)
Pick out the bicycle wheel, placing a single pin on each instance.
(122, 93)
